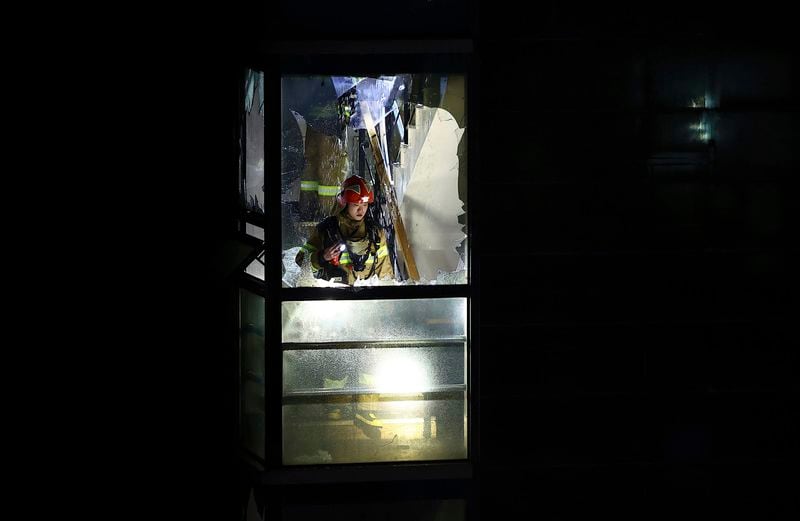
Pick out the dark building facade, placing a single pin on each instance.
(633, 213)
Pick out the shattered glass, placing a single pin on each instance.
(404, 134)
(253, 146)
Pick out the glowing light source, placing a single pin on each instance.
(400, 373)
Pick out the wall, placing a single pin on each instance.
(651, 350)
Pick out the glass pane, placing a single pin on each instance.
(374, 380)
(371, 320)
(256, 267)
(251, 360)
(254, 231)
(436, 367)
(396, 145)
(348, 428)
(253, 146)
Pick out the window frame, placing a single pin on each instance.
(373, 58)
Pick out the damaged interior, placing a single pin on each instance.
(404, 135)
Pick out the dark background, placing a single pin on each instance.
(646, 367)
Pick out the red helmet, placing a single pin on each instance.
(354, 190)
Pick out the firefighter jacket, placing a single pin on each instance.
(366, 252)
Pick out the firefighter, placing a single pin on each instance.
(349, 245)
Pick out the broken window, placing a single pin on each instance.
(372, 191)
(251, 152)
(403, 136)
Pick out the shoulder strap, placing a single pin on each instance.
(373, 234)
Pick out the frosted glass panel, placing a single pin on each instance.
(374, 320)
(375, 369)
(374, 381)
(375, 428)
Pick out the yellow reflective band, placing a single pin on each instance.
(346, 260)
(327, 190)
(383, 251)
(309, 185)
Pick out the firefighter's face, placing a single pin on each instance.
(357, 211)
